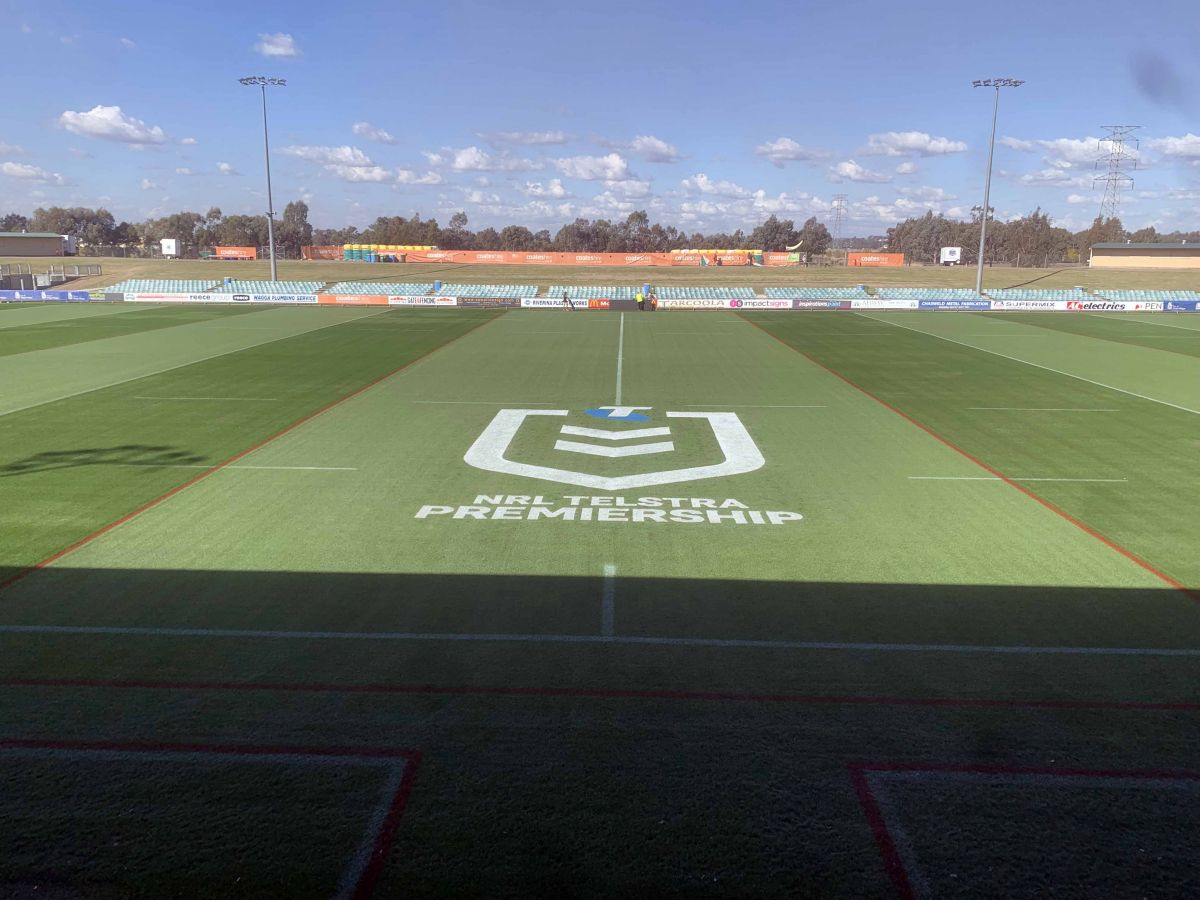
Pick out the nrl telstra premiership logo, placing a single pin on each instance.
(741, 454)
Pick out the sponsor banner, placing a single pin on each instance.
(880, 303)
(421, 301)
(1181, 305)
(235, 252)
(556, 303)
(489, 303)
(1115, 305)
(821, 304)
(598, 303)
(80, 296)
(954, 304)
(693, 304)
(282, 298)
(353, 299)
(178, 298)
(333, 252)
(874, 259)
(760, 303)
(1030, 305)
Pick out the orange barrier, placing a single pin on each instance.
(235, 252)
(874, 259)
(353, 299)
(332, 253)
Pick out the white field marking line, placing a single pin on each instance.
(1041, 409)
(615, 452)
(235, 466)
(752, 406)
(1144, 322)
(483, 402)
(608, 601)
(1035, 365)
(633, 640)
(1010, 478)
(255, 399)
(620, 357)
(603, 435)
(182, 365)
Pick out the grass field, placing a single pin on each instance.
(882, 604)
(543, 276)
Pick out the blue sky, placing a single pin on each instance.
(708, 115)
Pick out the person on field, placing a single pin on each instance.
(653, 300)
(567, 304)
(641, 301)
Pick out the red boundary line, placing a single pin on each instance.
(893, 863)
(54, 557)
(387, 831)
(604, 694)
(1087, 529)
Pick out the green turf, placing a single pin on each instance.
(1155, 333)
(298, 600)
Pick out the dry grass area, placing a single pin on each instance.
(918, 276)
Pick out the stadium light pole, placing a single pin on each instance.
(996, 83)
(262, 81)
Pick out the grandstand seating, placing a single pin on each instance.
(1036, 294)
(410, 288)
(162, 285)
(238, 286)
(705, 293)
(911, 293)
(1143, 296)
(588, 291)
(495, 291)
(815, 293)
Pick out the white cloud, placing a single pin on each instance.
(25, 29)
(1061, 153)
(786, 150)
(408, 176)
(1183, 147)
(1018, 144)
(189, 141)
(552, 189)
(110, 124)
(472, 159)
(631, 189)
(1055, 175)
(30, 173)
(184, 170)
(910, 143)
(1080, 198)
(148, 185)
(371, 133)
(10, 149)
(611, 167)
(278, 44)
(849, 170)
(367, 173)
(227, 169)
(528, 138)
(126, 42)
(344, 155)
(702, 184)
(648, 147)
(906, 168)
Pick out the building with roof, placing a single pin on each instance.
(1145, 256)
(30, 243)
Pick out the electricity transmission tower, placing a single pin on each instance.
(839, 217)
(1117, 158)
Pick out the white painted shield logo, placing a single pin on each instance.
(741, 454)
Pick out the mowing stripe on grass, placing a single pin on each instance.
(237, 456)
(620, 357)
(602, 694)
(608, 601)
(1014, 478)
(182, 365)
(621, 640)
(274, 468)
(246, 399)
(1087, 529)
(1019, 360)
(1039, 409)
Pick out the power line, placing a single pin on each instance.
(1117, 157)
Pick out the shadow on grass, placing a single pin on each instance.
(122, 455)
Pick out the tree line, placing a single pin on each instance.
(635, 234)
(1032, 240)
(1028, 241)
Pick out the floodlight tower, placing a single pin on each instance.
(996, 83)
(1116, 160)
(263, 81)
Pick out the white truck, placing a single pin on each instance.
(171, 247)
